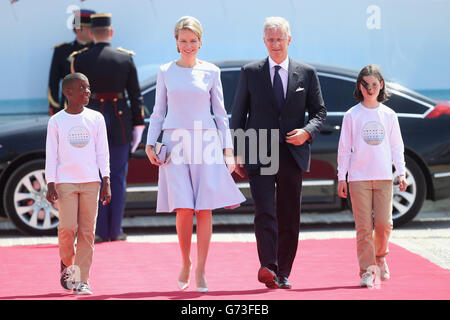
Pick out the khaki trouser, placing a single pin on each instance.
(372, 210)
(78, 203)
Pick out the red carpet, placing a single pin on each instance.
(324, 269)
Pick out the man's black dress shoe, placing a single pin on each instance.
(268, 277)
(121, 237)
(284, 283)
(99, 239)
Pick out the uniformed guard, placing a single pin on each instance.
(60, 66)
(113, 77)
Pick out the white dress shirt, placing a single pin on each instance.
(283, 72)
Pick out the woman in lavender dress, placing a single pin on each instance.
(196, 178)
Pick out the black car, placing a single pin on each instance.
(424, 123)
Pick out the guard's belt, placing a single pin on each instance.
(107, 96)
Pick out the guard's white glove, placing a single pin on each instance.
(137, 137)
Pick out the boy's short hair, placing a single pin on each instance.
(371, 70)
(70, 78)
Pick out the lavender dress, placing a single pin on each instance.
(196, 176)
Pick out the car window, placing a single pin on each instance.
(229, 83)
(337, 93)
(401, 104)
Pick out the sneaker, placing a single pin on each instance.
(66, 278)
(82, 289)
(384, 269)
(367, 280)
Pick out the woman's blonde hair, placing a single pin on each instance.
(189, 23)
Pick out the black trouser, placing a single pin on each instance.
(277, 230)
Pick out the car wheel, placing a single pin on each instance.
(407, 204)
(25, 200)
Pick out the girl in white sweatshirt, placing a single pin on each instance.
(370, 142)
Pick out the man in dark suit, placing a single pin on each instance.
(273, 96)
(111, 72)
(60, 66)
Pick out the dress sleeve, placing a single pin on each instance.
(159, 110)
(220, 114)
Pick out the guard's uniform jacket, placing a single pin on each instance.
(60, 67)
(113, 77)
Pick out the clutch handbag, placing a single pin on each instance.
(161, 151)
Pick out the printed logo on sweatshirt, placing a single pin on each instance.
(373, 133)
(78, 137)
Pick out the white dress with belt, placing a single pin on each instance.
(196, 176)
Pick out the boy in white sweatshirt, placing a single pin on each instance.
(76, 151)
(370, 142)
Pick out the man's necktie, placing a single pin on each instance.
(278, 88)
(279, 94)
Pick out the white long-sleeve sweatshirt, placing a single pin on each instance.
(77, 147)
(370, 142)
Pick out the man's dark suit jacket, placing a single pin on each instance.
(255, 107)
